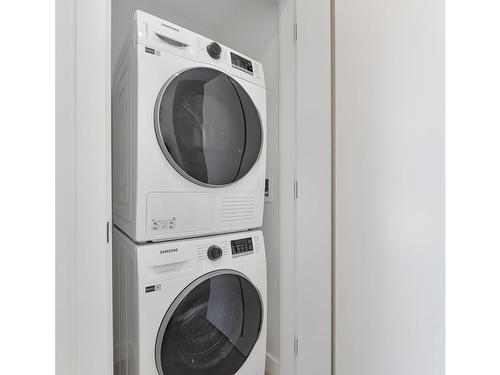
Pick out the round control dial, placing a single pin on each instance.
(214, 50)
(214, 252)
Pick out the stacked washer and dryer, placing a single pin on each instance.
(189, 157)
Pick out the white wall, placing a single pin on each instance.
(389, 187)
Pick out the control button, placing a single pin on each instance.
(214, 252)
(214, 50)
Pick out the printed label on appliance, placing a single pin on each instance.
(152, 51)
(153, 288)
(162, 225)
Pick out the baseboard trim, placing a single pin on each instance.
(272, 365)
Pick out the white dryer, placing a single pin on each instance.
(191, 307)
(189, 135)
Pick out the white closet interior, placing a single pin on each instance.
(252, 28)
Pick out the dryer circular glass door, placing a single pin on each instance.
(211, 328)
(208, 127)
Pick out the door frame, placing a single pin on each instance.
(83, 181)
(84, 325)
(306, 188)
(285, 365)
(313, 274)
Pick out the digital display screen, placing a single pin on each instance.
(242, 63)
(239, 247)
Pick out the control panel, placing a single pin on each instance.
(242, 246)
(241, 63)
(214, 252)
(160, 38)
(214, 50)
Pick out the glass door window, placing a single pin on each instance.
(211, 328)
(208, 127)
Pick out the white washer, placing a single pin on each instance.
(189, 135)
(192, 307)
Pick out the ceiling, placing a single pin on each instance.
(203, 12)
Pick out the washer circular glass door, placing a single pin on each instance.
(211, 328)
(208, 127)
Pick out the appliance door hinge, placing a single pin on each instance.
(296, 189)
(296, 346)
(107, 232)
(295, 31)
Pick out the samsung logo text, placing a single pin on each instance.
(170, 27)
(168, 251)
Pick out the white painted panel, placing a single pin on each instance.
(389, 187)
(286, 199)
(314, 174)
(84, 325)
(92, 179)
(66, 339)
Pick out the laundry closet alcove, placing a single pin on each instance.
(264, 30)
(292, 40)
